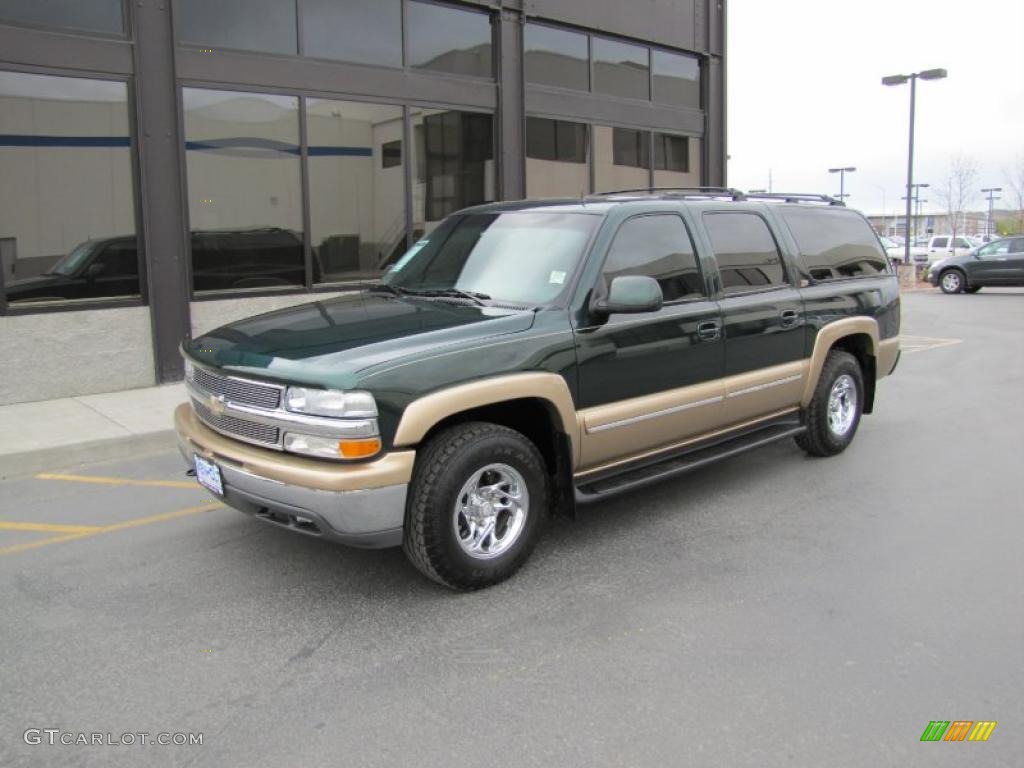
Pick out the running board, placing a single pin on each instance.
(678, 464)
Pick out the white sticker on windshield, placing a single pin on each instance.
(416, 248)
(557, 277)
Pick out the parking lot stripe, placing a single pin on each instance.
(120, 481)
(99, 530)
(47, 527)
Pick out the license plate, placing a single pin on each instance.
(208, 475)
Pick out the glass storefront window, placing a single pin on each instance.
(676, 79)
(360, 31)
(104, 16)
(67, 192)
(247, 25)
(676, 161)
(621, 158)
(446, 39)
(556, 57)
(244, 181)
(453, 158)
(557, 153)
(621, 69)
(356, 188)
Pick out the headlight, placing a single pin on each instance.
(330, 402)
(189, 370)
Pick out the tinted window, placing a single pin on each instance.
(454, 162)
(671, 153)
(66, 186)
(1017, 246)
(834, 244)
(747, 256)
(90, 15)
(556, 57)
(242, 164)
(632, 148)
(621, 159)
(676, 79)
(556, 158)
(995, 249)
(659, 247)
(940, 242)
(621, 69)
(363, 31)
(250, 25)
(391, 154)
(446, 39)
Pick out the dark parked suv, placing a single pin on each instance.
(529, 357)
(999, 263)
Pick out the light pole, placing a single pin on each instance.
(927, 74)
(990, 192)
(842, 180)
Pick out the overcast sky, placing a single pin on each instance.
(805, 94)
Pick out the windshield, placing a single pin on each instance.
(73, 261)
(515, 257)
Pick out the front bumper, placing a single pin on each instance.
(361, 505)
(933, 277)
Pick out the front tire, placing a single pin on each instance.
(835, 409)
(952, 281)
(477, 504)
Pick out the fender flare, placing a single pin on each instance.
(829, 335)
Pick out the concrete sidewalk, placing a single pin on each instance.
(54, 434)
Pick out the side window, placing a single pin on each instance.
(1017, 245)
(940, 242)
(834, 244)
(961, 243)
(119, 260)
(657, 246)
(748, 258)
(995, 249)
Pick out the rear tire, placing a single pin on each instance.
(478, 501)
(952, 281)
(835, 409)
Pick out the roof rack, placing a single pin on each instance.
(796, 197)
(735, 194)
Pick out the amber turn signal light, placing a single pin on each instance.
(358, 449)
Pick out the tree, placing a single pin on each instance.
(958, 189)
(1015, 181)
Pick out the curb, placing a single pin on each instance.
(89, 452)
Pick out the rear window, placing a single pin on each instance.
(835, 244)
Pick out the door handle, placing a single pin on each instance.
(708, 330)
(789, 317)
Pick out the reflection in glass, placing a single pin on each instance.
(621, 159)
(556, 158)
(446, 39)
(676, 79)
(676, 161)
(91, 16)
(247, 25)
(745, 250)
(67, 199)
(244, 201)
(356, 187)
(555, 57)
(453, 158)
(621, 69)
(362, 31)
(659, 247)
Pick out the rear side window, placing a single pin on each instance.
(657, 246)
(940, 242)
(835, 244)
(748, 258)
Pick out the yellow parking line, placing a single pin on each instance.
(48, 527)
(98, 530)
(120, 481)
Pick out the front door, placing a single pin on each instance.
(650, 380)
(762, 312)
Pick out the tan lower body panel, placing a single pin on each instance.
(623, 430)
(888, 351)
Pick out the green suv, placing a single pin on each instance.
(525, 358)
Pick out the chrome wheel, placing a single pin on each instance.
(490, 511)
(951, 282)
(842, 405)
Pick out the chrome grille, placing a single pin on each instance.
(250, 431)
(237, 390)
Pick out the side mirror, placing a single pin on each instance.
(94, 270)
(631, 294)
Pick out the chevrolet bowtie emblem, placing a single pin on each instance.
(217, 405)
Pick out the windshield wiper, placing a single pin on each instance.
(474, 296)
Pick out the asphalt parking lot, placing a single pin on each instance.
(771, 610)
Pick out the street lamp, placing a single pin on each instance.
(990, 191)
(927, 74)
(842, 179)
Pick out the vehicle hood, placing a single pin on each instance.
(327, 343)
(26, 284)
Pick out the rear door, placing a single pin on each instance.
(762, 315)
(990, 265)
(1015, 262)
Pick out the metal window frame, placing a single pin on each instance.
(124, 34)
